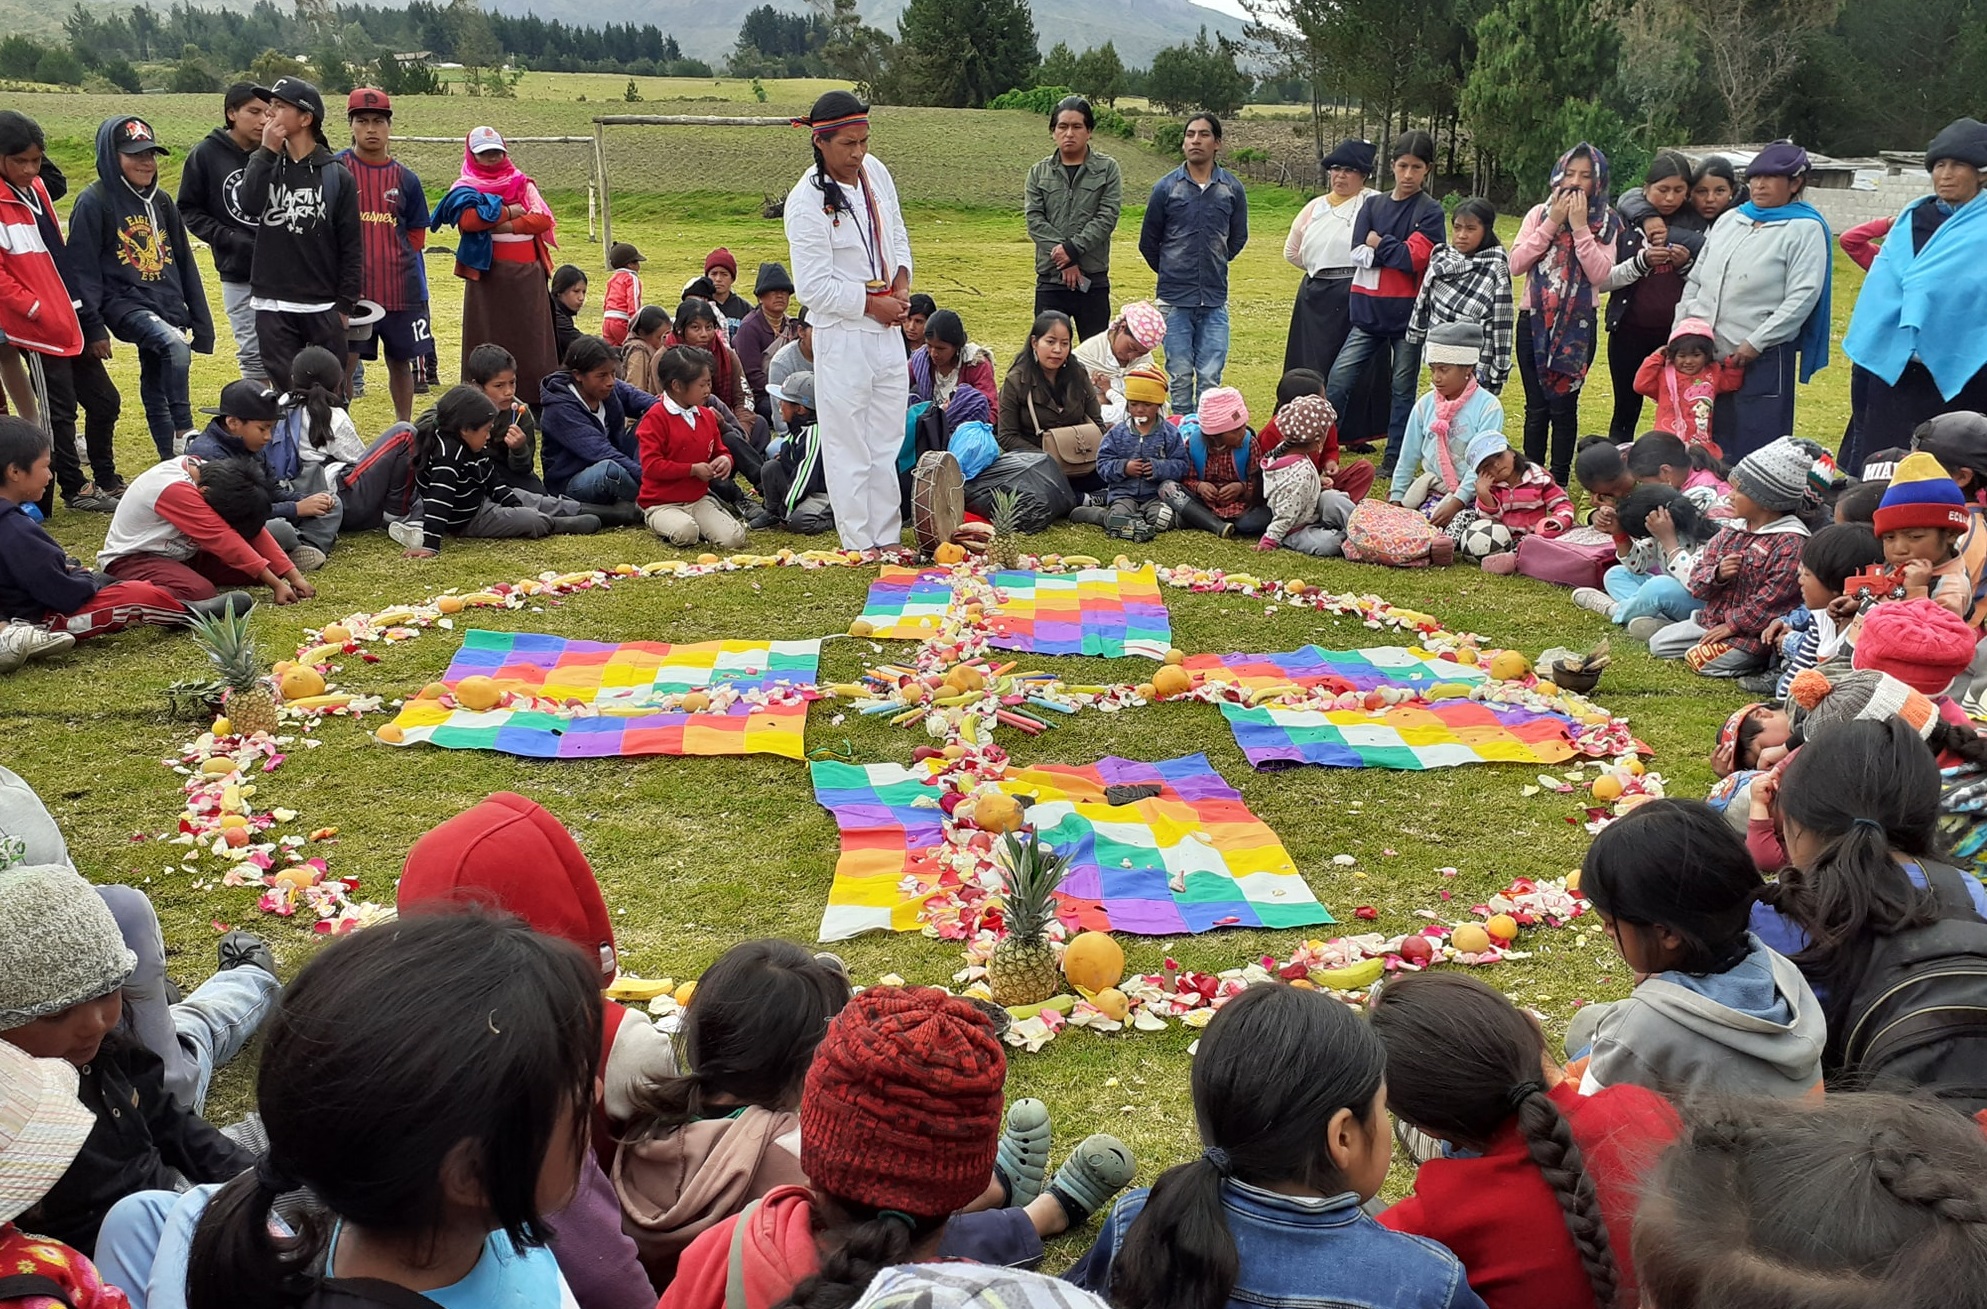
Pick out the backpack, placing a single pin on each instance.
(1919, 1016)
(21, 1286)
(1380, 533)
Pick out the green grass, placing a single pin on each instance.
(695, 854)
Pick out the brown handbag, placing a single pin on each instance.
(1074, 448)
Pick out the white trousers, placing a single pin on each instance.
(862, 388)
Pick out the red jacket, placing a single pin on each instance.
(624, 301)
(1499, 1215)
(668, 445)
(35, 308)
(776, 1254)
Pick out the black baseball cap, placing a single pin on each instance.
(241, 93)
(296, 91)
(249, 401)
(134, 136)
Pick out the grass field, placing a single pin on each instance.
(697, 853)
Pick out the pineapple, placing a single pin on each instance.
(1023, 969)
(1006, 517)
(249, 702)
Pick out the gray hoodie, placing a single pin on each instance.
(1756, 282)
(1755, 1029)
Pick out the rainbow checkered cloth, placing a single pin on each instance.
(1440, 735)
(606, 691)
(1097, 611)
(1345, 670)
(1189, 859)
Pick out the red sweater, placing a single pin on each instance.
(1499, 1215)
(668, 445)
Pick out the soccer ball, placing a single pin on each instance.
(1483, 538)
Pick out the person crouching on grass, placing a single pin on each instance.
(190, 527)
(461, 493)
(682, 453)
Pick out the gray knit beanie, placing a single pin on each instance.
(59, 945)
(1775, 476)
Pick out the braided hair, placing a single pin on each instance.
(1855, 1201)
(1462, 1061)
(859, 1241)
(831, 106)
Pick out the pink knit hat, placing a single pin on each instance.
(1146, 324)
(1919, 642)
(1692, 327)
(1223, 410)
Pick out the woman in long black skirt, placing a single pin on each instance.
(1320, 243)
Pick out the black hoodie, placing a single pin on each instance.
(210, 201)
(129, 252)
(309, 247)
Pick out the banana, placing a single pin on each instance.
(332, 701)
(1062, 1004)
(319, 654)
(1353, 977)
(639, 989)
(482, 599)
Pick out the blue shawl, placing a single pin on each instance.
(1926, 303)
(1812, 343)
(474, 249)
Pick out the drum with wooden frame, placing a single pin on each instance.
(938, 499)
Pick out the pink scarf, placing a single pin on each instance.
(506, 181)
(1438, 427)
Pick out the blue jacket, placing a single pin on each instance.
(1306, 1254)
(216, 443)
(37, 576)
(129, 252)
(1190, 235)
(575, 440)
(1164, 446)
(472, 249)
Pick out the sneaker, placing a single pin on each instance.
(308, 558)
(1641, 629)
(762, 519)
(1503, 564)
(239, 949)
(407, 532)
(239, 602)
(112, 486)
(1094, 1172)
(91, 499)
(1759, 683)
(21, 641)
(1023, 1157)
(1162, 517)
(1595, 601)
(575, 525)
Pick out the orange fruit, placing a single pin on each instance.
(449, 604)
(1607, 788)
(300, 684)
(391, 734)
(1503, 928)
(335, 634)
(1171, 680)
(478, 693)
(1470, 938)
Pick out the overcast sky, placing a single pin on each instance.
(1225, 6)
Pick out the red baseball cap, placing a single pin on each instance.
(368, 100)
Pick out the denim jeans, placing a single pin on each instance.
(1350, 366)
(165, 362)
(203, 1031)
(606, 483)
(1641, 596)
(241, 321)
(1196, 352)
(146, 1242)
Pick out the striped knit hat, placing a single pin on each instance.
(1775, 476)
(1921, 494)
(901, 1109)
(42, 1127)
(1816, 700)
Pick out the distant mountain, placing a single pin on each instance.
(706, 31)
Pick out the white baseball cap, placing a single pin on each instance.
(486, 138)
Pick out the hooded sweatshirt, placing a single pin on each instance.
(130, 253)
(674, 1188)
(309, 249)
(216, 443)
(1754, 1029)
(37, 309)
(576, 437)
(210, 200)
(775, 1253)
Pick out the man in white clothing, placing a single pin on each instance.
(852, 266)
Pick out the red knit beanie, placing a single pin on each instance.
(721, 258)
(1919, 642)
(902, 1104)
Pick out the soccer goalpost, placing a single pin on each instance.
(605, 121)
(577, 165)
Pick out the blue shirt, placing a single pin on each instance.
(1190, 234)
(504, 1278)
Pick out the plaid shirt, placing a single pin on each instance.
(1766, 586)
(1474, 288)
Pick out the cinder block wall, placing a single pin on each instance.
(1845, 208)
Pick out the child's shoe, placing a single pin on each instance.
(1759, 683)
(1504, 564)
(1023, 1158)
(575, 525)
(1641, 629)
(307, 558)
(1595, 601)
(21, 641)
(1094, 1172)
(622, 513)
(407, 532)
(239, 949)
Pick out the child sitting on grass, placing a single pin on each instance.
(795, 482)
(1270, 1212)
(1684, 380)
(1750, 572)
(1692, 469)
(243, 426)
(1222, 454)
(1142, 460)
(1303, 515)
(48, 600)
(1431, 476)
(1959, 442)
(1515, 498)
(1920, 521)
(682, 454)
(461, 494)
(514, 453)
(1809, 633)
(1659, 533)
(1536, 1185)
(188, 527)
(1354, 479)
(42, 1129)
(1714, 1010)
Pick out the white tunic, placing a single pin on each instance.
(1321, 238)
